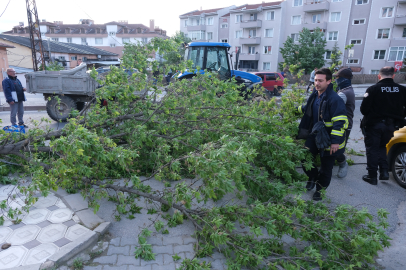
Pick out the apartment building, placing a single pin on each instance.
(376, 28)
(109, 36)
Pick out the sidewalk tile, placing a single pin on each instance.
(118, 250)
(183, 248)
(75, 202)
(115, 241)
(32, 244)
(40, 254)
(170, 266)
(52, 233)
(89, 218)
(62, 242)
(146, 267)
(107, 267)
(98, 267)
(112, 259)
(131, 260)
(23, 235)
(163, 249)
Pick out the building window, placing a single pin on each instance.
(269, 32)
(335, 17)
(185, 23)
(361, 2)
(375, 71)
(333, 35)
(267, 49)
(253, 17)
(62, 58)
(224, 40)
(295, 37)
(252, 33)
(251, 50)
(266, 65)
(387, 12)
(379, 54)
(112, 33)
(196, 35)
(359, 21)
(404, 32)
(328, 55)
(82, 30)
(209, 35)
(316, 18)
(112, 45)
(97, 30)
(337, 1)
(125, 40)
(84, 41)
(296, 19)
(69, 40)
(84, 58)
(145, 40)
(73, 58)
(55, 39)
(356, 41)
(270, 15)
(352, 61)
(238, 34)
(297, 3)
(224, 25)
(210, 21)
(397, 54)
(238, 18)
(383, 33)
(99, 41)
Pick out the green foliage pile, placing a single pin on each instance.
(213, 146)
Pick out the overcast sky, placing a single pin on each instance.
(165, 13)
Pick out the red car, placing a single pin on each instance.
(272, 82)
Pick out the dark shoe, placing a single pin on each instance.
(317, 196)
(310, 185)
(384, 175)
(371, 180)
(23, 125)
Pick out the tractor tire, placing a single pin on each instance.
(80, 105)
(60, 110)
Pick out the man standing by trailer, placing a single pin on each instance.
(14, 94)
(383, 108)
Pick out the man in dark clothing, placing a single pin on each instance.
(346, 92)
(14, 94)
(383, 108)
(325, 105)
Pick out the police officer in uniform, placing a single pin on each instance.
(383, 110)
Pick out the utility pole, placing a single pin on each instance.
(35, 35)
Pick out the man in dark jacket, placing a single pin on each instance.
(346, 92)
(325, 105)
(14, 94)
(383, 108)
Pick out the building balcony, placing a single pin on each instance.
(400, 20)
(251, 24)
(398, 42)
(315, 5)
(313, 26)
(249, 57)
(247, 41)
(196, 27)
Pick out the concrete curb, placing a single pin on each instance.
(26, 108)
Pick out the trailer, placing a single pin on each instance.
(64, 90)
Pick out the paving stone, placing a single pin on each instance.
(36, 216)
(4, 233)
(219, 264)
(173, 240)
(7, 222)
(146, 267)
(89, 218)
(131, 260)
(98, 267)
(170, 266)
(155, 241)
(61, 192)
(189, 240)
(112, 259)
(16, 226)
(45, 202)
(12, 257)
(118, 250)
(76, 231)
(189, 255)
(168, 258)
(40, 254)
(102, 228)
(44, 224)
(183, 248)
(32, 244)
(60, 204)
(62, 242)
(69, 223)
(52, 233)
(107, 267)
(75, 218)
(64, 268)
(23, 235)
(131, 241)
(162, 249)
(60, 215)
(115, 241)
(52, 208)
(75, 202)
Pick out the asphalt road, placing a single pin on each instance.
(350, 190)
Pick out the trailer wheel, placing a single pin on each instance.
(80, 105)
(60, 110)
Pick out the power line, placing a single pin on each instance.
(5, 8)
(83, 10)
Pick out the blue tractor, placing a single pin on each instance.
(214, 57)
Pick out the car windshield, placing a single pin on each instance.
(217, 61)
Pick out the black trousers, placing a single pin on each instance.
(341, 157)
(326, 170)
(376, 138)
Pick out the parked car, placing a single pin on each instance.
(396, 150)
(272, 82)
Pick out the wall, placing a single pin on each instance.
(19, 56)
(3, 65)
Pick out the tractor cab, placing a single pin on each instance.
(214, 57)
